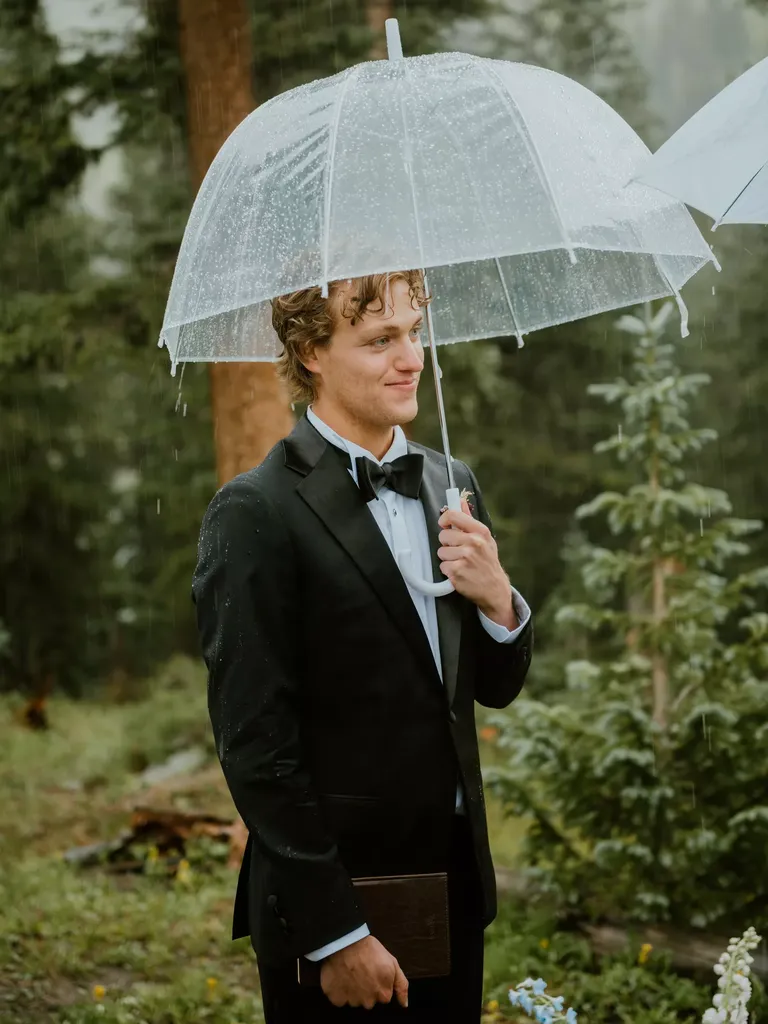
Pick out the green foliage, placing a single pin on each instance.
(68, 933)
(645, 780)
(90, 749)
(40, 153)
(732, 350)
(48, 444)
(152, 941)
(584, 39)
(636, 986)
(300, 40)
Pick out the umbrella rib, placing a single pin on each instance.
(481, 207)
(517, 116)
(728, 208)
(329, 175)
(409, 165)
(438, 373)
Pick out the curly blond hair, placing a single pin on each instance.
(305, 319)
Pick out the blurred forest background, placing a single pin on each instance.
(107, 463)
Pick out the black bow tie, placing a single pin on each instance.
(402, 475)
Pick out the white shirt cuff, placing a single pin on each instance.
(337, 944)
(500, 633)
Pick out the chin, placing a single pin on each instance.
(403, 412)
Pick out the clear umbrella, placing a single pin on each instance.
(718, 160)
(504, 182)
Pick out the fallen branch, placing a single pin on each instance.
(687, 950)
(167, 831)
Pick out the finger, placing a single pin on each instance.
(453, 569)
(465, 507)
(401, 987)
(450, 538)
(453, 554)
(461, 521)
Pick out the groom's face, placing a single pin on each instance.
(371, 368)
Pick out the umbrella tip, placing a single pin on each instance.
(394, 46)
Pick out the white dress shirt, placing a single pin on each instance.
(404, 526)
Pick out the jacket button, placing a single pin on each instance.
(452, 715)
(271, 902)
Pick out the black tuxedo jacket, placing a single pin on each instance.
(339, 742)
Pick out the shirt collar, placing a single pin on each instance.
(399, 443)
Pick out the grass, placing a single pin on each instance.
(80, 945)
(86, 945)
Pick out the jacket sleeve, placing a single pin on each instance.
(501, 668)
(246, 598)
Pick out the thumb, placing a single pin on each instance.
(400, 986)
(465, 507)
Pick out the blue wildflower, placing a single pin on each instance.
(526, 1002)
(539, 987)
(557, 1004)
(571, 1016)
(514, 996)
(543, 1015)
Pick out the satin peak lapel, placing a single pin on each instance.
(334, 497)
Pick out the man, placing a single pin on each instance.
(341, 700)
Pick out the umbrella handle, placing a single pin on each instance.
(453, 501)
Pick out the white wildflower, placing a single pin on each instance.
(730, 1003)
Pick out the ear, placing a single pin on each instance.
(309, 359)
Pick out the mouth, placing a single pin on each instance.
(404, 385)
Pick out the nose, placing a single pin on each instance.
(409, 357)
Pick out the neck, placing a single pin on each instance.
(374, 437)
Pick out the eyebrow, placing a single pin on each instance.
(391, 329)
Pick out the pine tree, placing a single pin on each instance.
(40, 154)
(584, 39)
(47, 578)
(645, 783)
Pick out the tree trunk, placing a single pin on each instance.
(250, 407)
(376, 13)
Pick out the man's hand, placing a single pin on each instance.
(363, 974)
(470, 559)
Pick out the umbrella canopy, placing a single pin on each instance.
(718, 160)
(507, 182)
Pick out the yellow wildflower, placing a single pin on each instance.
(544, 943)
(183, 872)
(493, 1005)
(211, 983)
(99, 992)
(645, 952)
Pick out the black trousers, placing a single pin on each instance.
(457, 998)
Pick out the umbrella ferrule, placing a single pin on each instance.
(394, 46)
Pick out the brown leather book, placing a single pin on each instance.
(409, 915)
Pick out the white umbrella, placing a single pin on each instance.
(718, 160)
(506, 182)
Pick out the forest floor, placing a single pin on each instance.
(81, 944)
